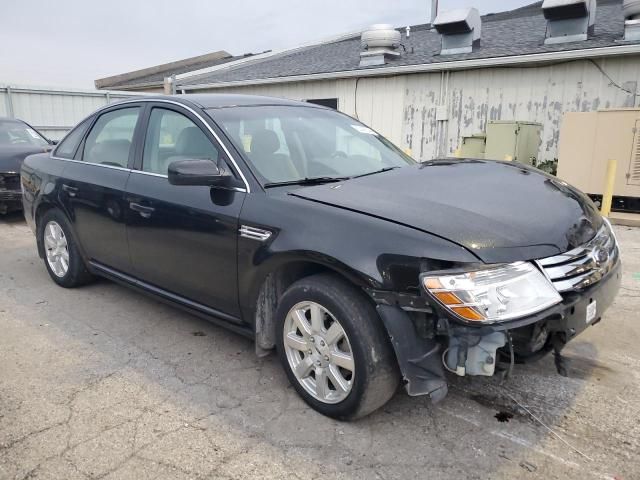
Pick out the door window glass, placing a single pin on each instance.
(171, 136)
(109, 141)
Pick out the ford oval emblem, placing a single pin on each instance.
(600, 256)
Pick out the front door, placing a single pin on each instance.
(94, 185)
(183, 238)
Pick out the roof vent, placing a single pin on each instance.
(632, 19)
(460, 30)
(378, 43)
(568, 20)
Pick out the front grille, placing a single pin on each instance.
(581, 267)
(10, 187)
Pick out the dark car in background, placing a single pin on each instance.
(304, 229)
(17, 140)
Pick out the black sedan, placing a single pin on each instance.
(304, 229)
(17, 140)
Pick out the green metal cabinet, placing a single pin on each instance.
(518, 141)
(473, 146)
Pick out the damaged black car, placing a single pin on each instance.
(17, 140)
(302, 228)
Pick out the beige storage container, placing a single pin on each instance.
(588, 140)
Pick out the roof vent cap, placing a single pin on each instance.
(631, 10)
(568, 20)
(379, 42)
(460, 29)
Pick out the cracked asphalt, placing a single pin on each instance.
(102, 382)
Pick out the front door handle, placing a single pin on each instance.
(72, 191)
(145, 212)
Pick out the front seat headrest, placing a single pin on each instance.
(264, 142)
(193, 143)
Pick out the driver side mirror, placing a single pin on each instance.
(200, 172)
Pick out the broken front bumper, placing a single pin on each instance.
(471, 350)
(10, 192)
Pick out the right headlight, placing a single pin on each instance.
(492, 294)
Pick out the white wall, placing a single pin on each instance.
(53, 111)
(403, 108)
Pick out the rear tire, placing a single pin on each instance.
(346, 378)
(62, 258)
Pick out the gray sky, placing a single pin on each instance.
(70, 43)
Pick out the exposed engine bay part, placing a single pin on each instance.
(418, 358)
(473, 354)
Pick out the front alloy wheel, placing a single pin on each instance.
(319, 352)
(334, 347)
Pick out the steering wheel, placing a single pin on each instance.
(339, 154)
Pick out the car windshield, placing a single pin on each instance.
(17, 133)
(289, 144)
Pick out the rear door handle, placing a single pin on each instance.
(145, 212)
(72, 191)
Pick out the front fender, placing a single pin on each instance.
(371, 252)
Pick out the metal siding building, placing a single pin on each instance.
(512, 76)
(53, 111)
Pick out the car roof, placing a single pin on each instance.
(222, 100)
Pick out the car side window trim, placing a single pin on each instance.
(81, 153)
(144, 103)
(201, 124)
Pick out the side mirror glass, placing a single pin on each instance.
(199, 172)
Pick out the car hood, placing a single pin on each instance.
(500, 211)
(11, 156)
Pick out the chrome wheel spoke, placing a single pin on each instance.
(334, 334)
(322, 383)
(317, 318)
(49, 242)
(343, 360)
(301, 322)
(337, 379)
(294, 341)
(304, 368)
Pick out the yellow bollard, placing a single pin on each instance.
(607, 196)
(508, 158)
(457, 153)
(408, 151)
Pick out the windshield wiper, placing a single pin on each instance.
(382, 170)
(306, 181)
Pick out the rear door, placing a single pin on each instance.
(94, 184)
(183, 239)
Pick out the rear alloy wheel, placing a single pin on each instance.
(61, 255)
(334, 347)
(56, 249)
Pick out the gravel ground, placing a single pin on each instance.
(102, 382)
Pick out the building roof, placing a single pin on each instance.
(517, 32)
(154, 76)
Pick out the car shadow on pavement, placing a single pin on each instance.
(12, 218)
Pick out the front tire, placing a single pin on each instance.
(334, 348)
(61, 255)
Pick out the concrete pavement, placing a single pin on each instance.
(102, 382)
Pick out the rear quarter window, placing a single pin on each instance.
(67, 148)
